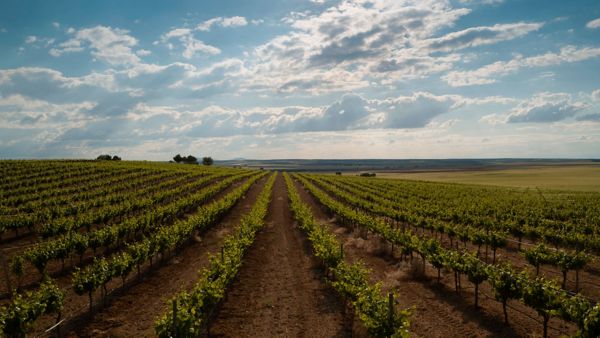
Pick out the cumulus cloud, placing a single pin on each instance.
(350, 52)
(114, 92)
(176, 33)
(17, 111)
(489, 73)
(593, 24)
(234, 21)
(356, 44)
(143, 52)
(477, 36)
(190, 45)
(30, 39)
(112, 45)
(546, 107)
(351, 112)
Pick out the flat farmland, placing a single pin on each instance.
(122, 249)
(561, 177)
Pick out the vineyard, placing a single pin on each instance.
(142, 249)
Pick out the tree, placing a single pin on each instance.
(177, 158)
(207, 160)
(107, 157)
(190, 160)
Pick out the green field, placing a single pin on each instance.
(573, 177)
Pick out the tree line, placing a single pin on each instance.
(192, 159)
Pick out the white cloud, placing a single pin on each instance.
(357, 44)
(545, 107)
(56, 25)
(190, 44)
(176, 33)
(112, 45)
(17, 111)
(489, 73)
(477, 36)
(234, 21)
(70, 46)
(596, 95)
(593, 24)
(351, 112)
(49, 85)
(31, 39)
(354, 44)
(143, 52)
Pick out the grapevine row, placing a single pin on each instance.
(193, 306)
(17, 317)
(537, 293)
(102, 271)
(52, 225)
(571, 226)
(350, 280)
(64, 246)
(563, 260)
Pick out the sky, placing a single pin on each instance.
(264, 79)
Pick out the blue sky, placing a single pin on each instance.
(300, 79)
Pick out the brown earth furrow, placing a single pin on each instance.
(279, 290)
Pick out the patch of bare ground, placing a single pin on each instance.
(280, 290)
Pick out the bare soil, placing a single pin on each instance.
(280, 289)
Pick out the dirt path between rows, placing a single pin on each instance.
(279, 291)
(133, 310)
(438, 310)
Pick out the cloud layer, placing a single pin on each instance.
(334, 71)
